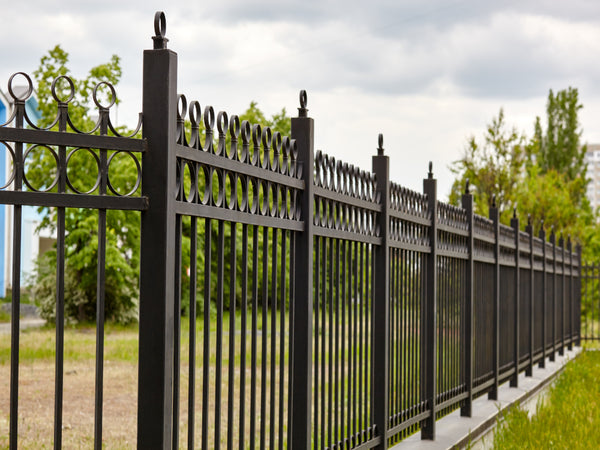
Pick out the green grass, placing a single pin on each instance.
(569, 418)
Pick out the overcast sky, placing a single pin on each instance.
(426, 74)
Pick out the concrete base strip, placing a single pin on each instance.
(454, 431)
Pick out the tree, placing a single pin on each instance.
(543, 177)
(492, 167)
(81, 240)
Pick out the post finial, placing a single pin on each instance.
(430, 174)
(494, 201)
(529, 219)
(515, 212)
(467, 187)
(303, 111)
(160, 29)
(380, 145)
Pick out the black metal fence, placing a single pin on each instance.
(329, 307)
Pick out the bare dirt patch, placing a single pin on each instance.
(36, 405)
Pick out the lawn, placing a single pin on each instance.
(568, 418)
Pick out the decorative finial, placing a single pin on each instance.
(467, 187)
(515, 212)
(160, 29)
(529, 219)
(380, 142)
(494, 201)
(430, 174)
(303, 111)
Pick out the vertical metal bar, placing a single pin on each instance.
(579, 296)
(177, 333)
(361, 341)
(529, 231)
(253, 369)
(554, 283)
(514, 223)
(232, 313)
(571, 296)
(355, 300)
(206, 328)
(100, 294)
(303, 134)
(336, 382)
(219, 338)
(561, 350)
(495, 216)
(15, 324)
(429, 319)
(330, 333)
(157, 261)
(542, 363)
(381, 297)
(318, 328)
(283, 273)
(343, 423)
(324, 330)
(264, 338)
(273, 353)
(291, 322)
(192, 332)
(244, 313)
(467, 339)
(60, 284)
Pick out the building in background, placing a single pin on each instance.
(33, 242)
(592, 158)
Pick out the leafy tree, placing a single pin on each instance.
(81, 240)
(493, 168)
(543, 177)
(560, 148)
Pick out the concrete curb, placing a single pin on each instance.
(454, 431)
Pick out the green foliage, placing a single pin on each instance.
(568, 419)
(81, 242)
(543, 177)
(560, 147)
(492, 167)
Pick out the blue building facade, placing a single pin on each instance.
(31, 243)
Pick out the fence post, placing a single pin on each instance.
(553, 242)
(495, 217)
(571, 296)
(514, 223)
(157, 274)
(578, 296)
(429, 336)
(381, 169)
(467, 408)
(544, 297)
(529, 231)
(303, 134)
(561, 348)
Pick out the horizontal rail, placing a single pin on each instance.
(42, 137)
(52, 199)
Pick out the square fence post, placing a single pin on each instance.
(571, 295)
(542, 235)
(429, 321)
(529, 231)
(301, 417)
(157, 263)
(381, 169)
(467, 339)
(495, 217)
(561, 348)
(554, 292)
(514, 223)
(578, 296)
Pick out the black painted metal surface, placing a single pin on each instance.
(329, 306)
